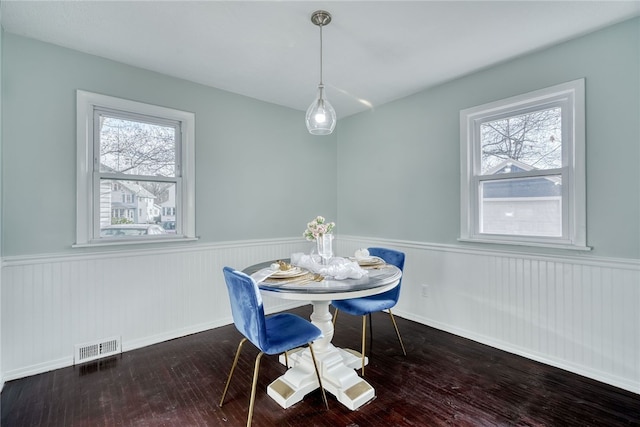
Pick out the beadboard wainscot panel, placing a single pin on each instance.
(52, 303)
(576, 313)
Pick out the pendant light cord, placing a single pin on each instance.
(321, 54)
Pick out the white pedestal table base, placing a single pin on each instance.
(337, 369)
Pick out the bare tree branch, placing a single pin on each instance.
(532, 138)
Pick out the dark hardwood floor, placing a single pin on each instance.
(444, 380)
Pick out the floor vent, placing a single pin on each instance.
(96, 350)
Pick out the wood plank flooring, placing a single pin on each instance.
(444, 380)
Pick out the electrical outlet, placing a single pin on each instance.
(425, 291)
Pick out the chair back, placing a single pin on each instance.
(393, 257)
(246, 306)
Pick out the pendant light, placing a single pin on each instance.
(321, 117)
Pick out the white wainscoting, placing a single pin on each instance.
(577, 313)
(50, 304)
(581, 314)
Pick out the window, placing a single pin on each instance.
(132, 158)
(523, 169)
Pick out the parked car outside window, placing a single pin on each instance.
(125, 230)
(169, 227)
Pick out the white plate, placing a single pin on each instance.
(287, 274)
(370, 261)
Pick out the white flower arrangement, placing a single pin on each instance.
(318, 227)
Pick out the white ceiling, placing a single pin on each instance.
(374, 51)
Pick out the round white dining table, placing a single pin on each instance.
(337, 366)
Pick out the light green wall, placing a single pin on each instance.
(399, 165)
(1, 130)
(256, 164)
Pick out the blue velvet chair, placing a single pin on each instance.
(274, 334)
(366, 305)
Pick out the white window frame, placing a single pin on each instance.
(87, 192)
(571, 96)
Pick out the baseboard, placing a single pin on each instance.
(131, 345)
(39, 368)
(622, 383)
(67, 361)
(178, 333)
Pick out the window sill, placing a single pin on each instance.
(532, 244)
(108, 243)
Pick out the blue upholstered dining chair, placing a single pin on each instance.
(364, 306)
(274, 334)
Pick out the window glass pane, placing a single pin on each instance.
(523, 142)
(129, 208)
(135, 147)
(522, 207)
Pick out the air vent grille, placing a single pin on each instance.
(96, 350)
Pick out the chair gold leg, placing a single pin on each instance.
(397, 332)
(233, 367)
(335, 316)
(364, 339)
(315, 365)
(253, 388)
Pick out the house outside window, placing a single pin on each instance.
(132, 157)
(523, 169)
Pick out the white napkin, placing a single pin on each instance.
(337, 268)
(362, 254)
(262, 274)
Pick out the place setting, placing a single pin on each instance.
(367, 261)
(281, 273)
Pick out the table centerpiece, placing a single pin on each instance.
(319, 230)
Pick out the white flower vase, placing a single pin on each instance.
(324, 244)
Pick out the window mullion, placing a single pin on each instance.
(145, 178)
(527, 174)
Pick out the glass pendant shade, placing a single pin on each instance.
(321, 117)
